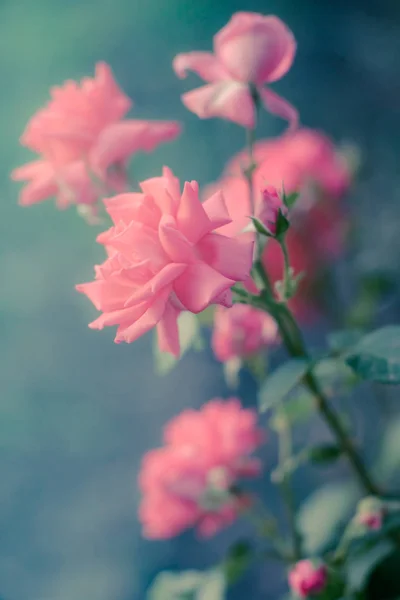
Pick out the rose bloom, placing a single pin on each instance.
(241, 331)
(308, 578)
(187, 482)
(164, 257)
(249, 52)
(84, 142)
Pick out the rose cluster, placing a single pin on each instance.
(251, 246)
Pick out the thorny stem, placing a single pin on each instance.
(293, 340)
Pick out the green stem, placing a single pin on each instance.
(285, 452)
(286, 268)
(293, 340)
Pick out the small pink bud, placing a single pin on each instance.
(308, 578)
(269, 207)
(370, 513)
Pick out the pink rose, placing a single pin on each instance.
(164, 257)
(296, 160)
(270, 206)
(241, 331)
(308, 578)
(187, 482)
(251, 50)
(84, 142)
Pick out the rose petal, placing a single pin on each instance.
(204, 64)
(117, 142)
(199, 285)
(233, 257)
(228, 99)
(280, 107)
(167, 331)
(191, 217)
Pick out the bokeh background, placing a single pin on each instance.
(76, 411)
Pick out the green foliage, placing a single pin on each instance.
(260, 227)
(320, 516)
(360, 567)
(334, 375)
(341, 340)
(188, 585)
(282, 381)
(388, 459)
(282, 225)
(376, 356)
(297, 409)
(238, 560)
(290, 199)
(324, 454)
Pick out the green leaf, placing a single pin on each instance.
(239, 558)
(324, 454)
(377, 356)
(282, 381)
(334, 375)
(188, 585)
(282, 225)
(342, 340)
(213, 586)
(290, 199)
(388, 460)
(189, 336)
(323, 512)
(175, 586)
(360, 568)
(260, 227)
(295, 410)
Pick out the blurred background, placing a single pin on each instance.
(77, 411)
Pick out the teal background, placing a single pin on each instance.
(76, 411)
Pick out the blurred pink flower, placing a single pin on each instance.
(307, 162)
(269, 207)
(308, 578)
(371, 520)
(164, 257)
(251, 50)
(371, 512)
(241, 331)
(187, 483)
(84, 142)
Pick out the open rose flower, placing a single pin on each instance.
(241, 331)
(165, 257)
(249, 52)
(188, 482)
(84, 142)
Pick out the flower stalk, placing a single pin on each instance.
(293, 340)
